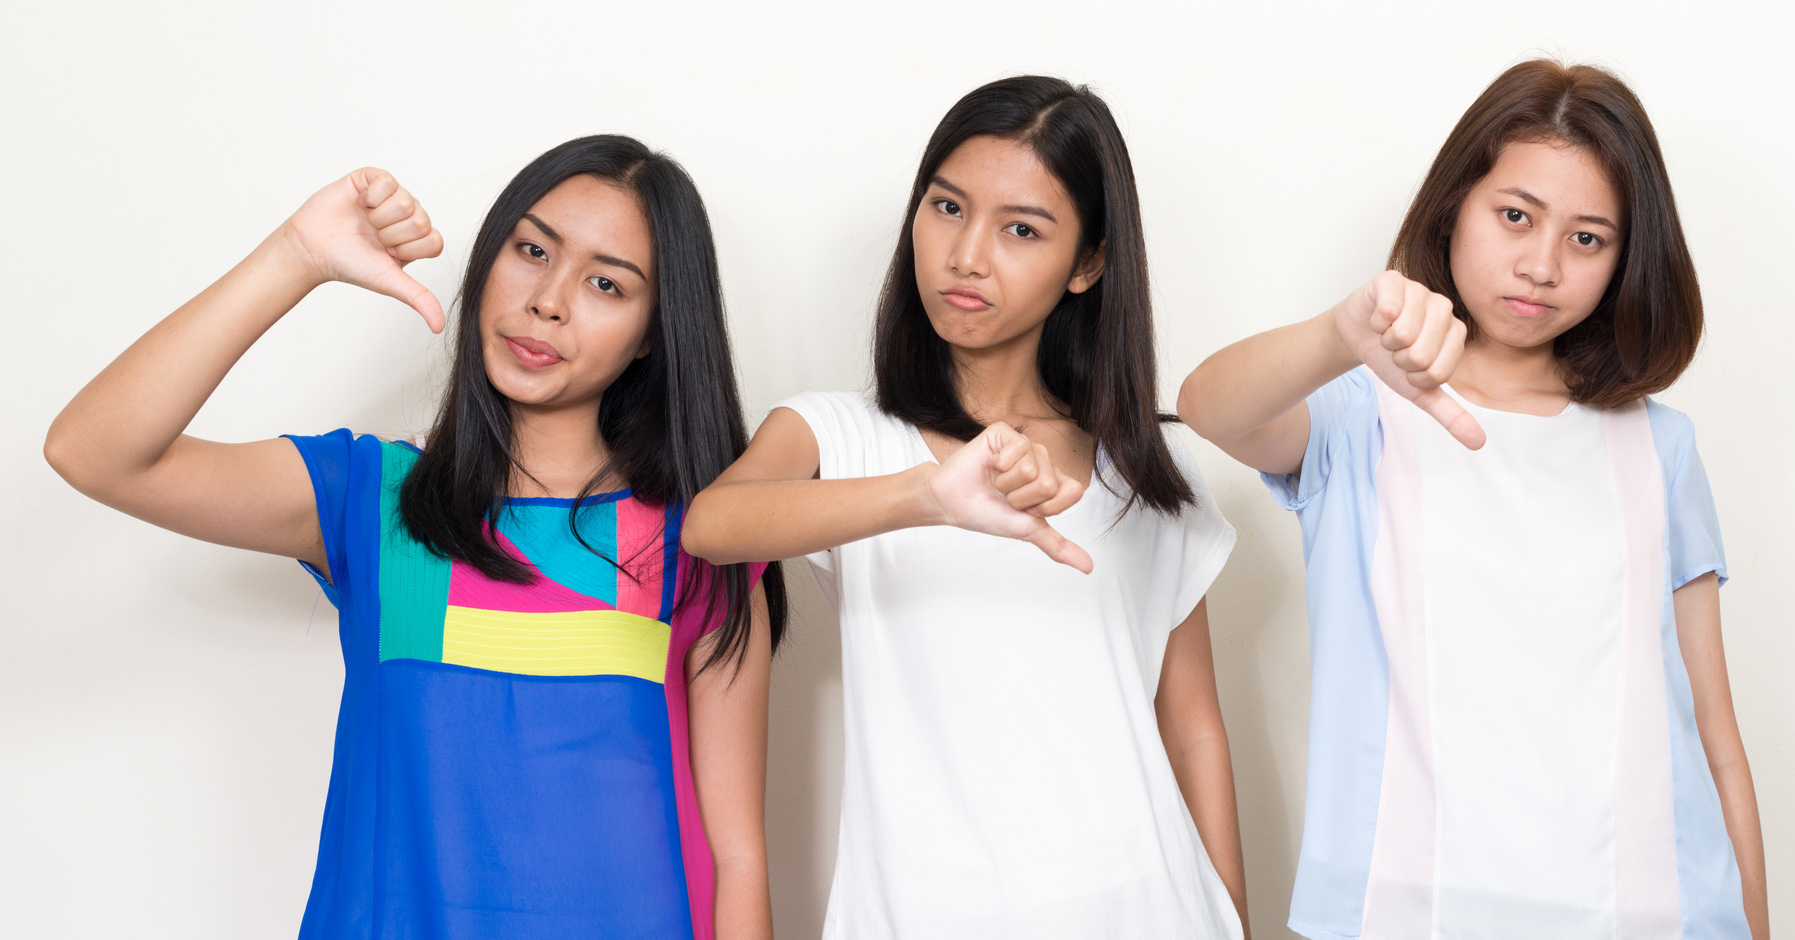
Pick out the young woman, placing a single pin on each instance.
(1520, 725)
(1033, 749)
(523, 640)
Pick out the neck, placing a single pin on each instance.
(1003, 382)
(559, 449)
(1498, 375)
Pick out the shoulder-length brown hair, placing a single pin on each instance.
(1644, 331)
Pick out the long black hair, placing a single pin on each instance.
(672, 420)
(1096, 351)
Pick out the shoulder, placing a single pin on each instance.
(1204, 514)
(842, 415)
(841, 406)
(1672, 430)
(341, 458)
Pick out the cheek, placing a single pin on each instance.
(926, 243)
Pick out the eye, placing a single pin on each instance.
(604, 284)
(1020, 230)
(1587, 240)
(533, 250)
(1514, 216)
(948, 206)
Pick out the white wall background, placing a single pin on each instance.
(167, 706)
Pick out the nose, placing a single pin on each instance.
(1540, 261)
(549, 302)
(971, 255)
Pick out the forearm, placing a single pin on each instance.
(1739, 806)
(1249, 385)
(1207, 780)
(125, 420)
(743, 903)
(763, 520)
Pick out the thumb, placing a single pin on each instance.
(1059, 548)
(400, 286)
(1452, 416)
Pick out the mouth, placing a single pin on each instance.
(965, 298)
(1527, 307)
(532, 353)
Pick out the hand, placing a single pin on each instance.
(1002, 483)
(1410, 339)
(363, 229)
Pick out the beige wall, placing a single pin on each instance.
(166, 706)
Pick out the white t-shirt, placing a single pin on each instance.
(1004, 771)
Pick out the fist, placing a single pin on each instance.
(1410, 339)
(363, 229)
(1002, 483)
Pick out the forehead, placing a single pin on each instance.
(1565, 177)
(596, 216)
(992, 169)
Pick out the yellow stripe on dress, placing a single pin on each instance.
(577, 643)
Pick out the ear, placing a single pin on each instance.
(1088, 270)
(647, 346)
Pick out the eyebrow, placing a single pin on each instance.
(1533, 200)
(597, 256)
(1019, 209)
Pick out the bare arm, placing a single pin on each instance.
(1697, 606)
(1247, 399)
(728, 720)
(770, 505)
(120, 442)
(1190, 724)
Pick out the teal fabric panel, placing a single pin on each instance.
(539, 529)
(414, 581)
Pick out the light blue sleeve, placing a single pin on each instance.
(1693, 525)
(1343, 409)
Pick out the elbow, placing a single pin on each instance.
(699, 535)
(1190, 409)
(63, 453)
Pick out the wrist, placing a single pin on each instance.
(920, 506)
(1335, 351)
(287, 264)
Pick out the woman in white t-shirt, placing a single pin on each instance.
(1033, 749)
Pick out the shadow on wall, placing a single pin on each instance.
(804, 759)
(1258, 632)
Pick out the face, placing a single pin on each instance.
(567, 303)
(997, 242)
(1536, 243)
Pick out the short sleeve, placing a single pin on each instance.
(328, 461)
(830, 420)
(1336, 409)
(1693, 523)
(1206, 537)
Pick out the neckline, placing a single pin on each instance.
(565, 503)
(1570, 407)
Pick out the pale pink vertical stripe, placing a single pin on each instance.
(640, 557)
(1645, 859)
(1399, 894)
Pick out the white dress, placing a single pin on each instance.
(1004, 773)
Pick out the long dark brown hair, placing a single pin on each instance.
(672, 420)
(1644, 331)
(1097, 352)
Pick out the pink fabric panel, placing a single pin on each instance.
(1399, 893)
(1645, 860)
(469, 588)
(689, 624)
(640, 554)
